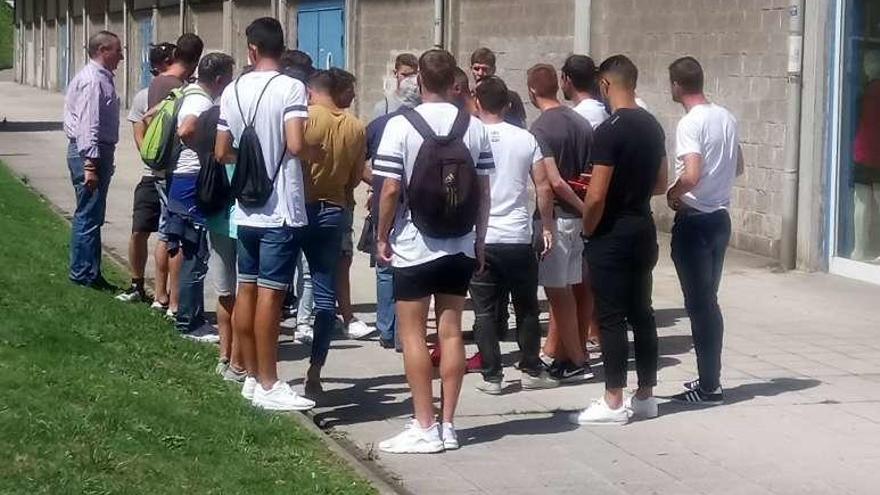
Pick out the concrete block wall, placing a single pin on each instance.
(743, 48)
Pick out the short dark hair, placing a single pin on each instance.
(483, 55)
(581, 71)
(267, 36)
(189, 49)
(161, 53)
(493, 95)
(621, 68)
(214, 65)
(461, 78)
(407, 59)
(100, 40)
(437, 70)
(688, 74)
(297, 64)
(541, 79)
(335, 81)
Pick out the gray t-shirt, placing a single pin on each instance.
(136, 114)
(568, 138)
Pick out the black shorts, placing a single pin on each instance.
(147, 209)
(447, 275)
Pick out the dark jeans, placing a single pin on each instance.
(513, 269)
(191, 311)
(699, 242)
(322, 244)
(621, 264)
(85, 232)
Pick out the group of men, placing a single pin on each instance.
(451, 172)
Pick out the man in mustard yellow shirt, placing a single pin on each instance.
(336, 146)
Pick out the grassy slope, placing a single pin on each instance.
(102, 397)
(6, 35)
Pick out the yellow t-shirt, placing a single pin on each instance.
(343, 138)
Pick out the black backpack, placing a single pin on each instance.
(251, 184)
(443, 193)
(213, 192)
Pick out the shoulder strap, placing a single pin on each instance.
(260, 98)
(244, 118)
(421, 126)
(460, 126)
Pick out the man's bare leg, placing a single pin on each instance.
(551, 345)
(583, 296)
(174, 264)
(225, 305)
(452, 361)
(160, 257)
(243, 325)
(564, 308)
(411, 323)
(137, 254)
(267, 320)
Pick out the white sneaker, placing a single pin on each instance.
(221, 367)
(544, 380)
(157, 306)
(414, 440)
(491, 388)
(450, 438)
(600, 414)
(281, 398)
(249, 387)
(356, 329)
(304, 334)
(643, 409)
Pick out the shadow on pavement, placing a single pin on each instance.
(747, 392)
(557, 423)
(669, 317)
(364, 400)
(6, 126)
(675, 345)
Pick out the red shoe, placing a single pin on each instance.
(435, 357)
(475, 364)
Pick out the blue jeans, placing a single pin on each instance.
(322, 244)
(85, 235)
(191, 310)
(305, 292)
(699, 243)
(386, 318)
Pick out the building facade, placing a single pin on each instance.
(798, 75)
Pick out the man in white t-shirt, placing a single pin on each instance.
(269, 236)
(426, 266)
(186, 222)
(708, 159)
(579, 86)
(511, 259)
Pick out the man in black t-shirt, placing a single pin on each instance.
(629, 166)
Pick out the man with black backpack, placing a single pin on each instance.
(186, 220)
(263, 113)
(435, 161)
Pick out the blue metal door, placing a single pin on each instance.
(63, 55)
(321, 32)
(145, 35)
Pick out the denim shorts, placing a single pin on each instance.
(162, 190)
(267, 256)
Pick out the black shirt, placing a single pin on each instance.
(566, 137)
(516, 114)
(633, 142)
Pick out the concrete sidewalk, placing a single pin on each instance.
(802, 378)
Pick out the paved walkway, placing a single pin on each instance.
(802, 377)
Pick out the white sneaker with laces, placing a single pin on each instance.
(281, 398)
(304, 333)
(450, 438)
(491, 388)
(544, 380)
(414, 440)
(157, 306)
(600, 414)
(643, 409)
(356, 329)
(249, 387)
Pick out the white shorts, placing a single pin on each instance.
(564, 265)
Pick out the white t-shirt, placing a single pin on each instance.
(285, 99)
(710, 131)
(136, 114)
(396, 155)
(592, 110)
(194, 104)
(515, 151)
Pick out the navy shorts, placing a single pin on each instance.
(267, 256)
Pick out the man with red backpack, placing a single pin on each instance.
(433, 216)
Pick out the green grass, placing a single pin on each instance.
(101, 397)
(7, 31)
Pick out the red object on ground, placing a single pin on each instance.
(435, 357)
(474, 364)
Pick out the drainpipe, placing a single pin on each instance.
(788, 243)
(181, 17)
(126, 26)
(438, 23)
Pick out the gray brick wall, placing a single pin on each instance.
(742, 45)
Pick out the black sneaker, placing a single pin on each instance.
(101, 284)
(133, 294)
(697, 396)
(386, 344)
(570, 372)
(692, 385)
